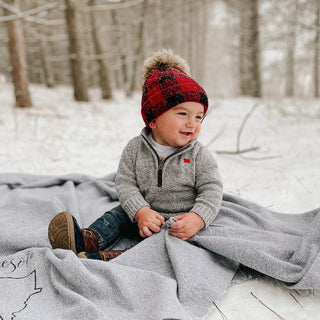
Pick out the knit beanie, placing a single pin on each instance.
(167, 83)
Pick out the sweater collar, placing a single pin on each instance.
(146, 131)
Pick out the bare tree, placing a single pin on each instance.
(103, 69)
(201, 41)
(139, 46)
(119, 44)
(292, 12)
(17, 57)
(76, 54)
(46, 63)
(317, 49)
(249, 51)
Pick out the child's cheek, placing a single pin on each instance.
(197, 131)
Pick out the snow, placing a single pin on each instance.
(61, 136)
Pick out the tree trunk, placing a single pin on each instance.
(180, 25)
(160, 24)
(316, 50)
(18, 61)
(46, 64)
(188, 33)
(139, 48)
(249, 64)
(103, 70)
(121, 53)
(202, 38)
(291, 43)
(75, 50)
(191, 20)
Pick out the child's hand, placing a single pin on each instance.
(187, 226)
(148, 221)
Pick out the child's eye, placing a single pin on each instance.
(182, 113)
(199, 117)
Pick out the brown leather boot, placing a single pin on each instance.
(101, 255)
(90, 240)
(65, 233)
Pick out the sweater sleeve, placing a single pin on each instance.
(128, 191)
(208, 186)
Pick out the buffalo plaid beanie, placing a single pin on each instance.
(166, 84)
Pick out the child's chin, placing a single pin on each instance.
(184, 143)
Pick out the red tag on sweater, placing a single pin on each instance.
(186, 160)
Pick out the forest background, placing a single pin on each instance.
(250, 47)
(70, 92)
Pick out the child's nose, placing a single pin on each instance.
(191, 122)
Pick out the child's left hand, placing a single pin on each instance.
(187, 226)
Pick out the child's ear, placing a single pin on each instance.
(153, 124)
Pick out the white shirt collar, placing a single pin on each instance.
(162, 151)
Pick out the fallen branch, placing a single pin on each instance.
(216, 137)
(260, 158)
(277, 314)
(309, 191)
(221, 313)
(296, 300)
(238, 149)
(244, 121)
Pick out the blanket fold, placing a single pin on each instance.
(161, 277)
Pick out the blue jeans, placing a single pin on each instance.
(111, 225)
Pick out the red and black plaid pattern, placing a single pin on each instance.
(165, 89)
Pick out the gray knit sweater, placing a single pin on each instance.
(186, 181)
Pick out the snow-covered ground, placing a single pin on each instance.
(60, 136)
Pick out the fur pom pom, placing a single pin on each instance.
(164, 59)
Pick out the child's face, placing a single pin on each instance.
(179, 125)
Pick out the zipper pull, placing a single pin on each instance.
(160, 173)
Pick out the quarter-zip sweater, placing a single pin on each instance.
(186, 181)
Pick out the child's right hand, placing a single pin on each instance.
(148, 221)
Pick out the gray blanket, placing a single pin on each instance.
(160, 277)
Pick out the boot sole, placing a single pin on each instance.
(61, 232)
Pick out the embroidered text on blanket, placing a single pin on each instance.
(8, 266)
